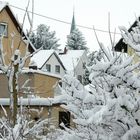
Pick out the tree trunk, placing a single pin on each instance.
(15, 92)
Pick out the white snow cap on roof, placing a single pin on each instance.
(41, 57)
(71, 58)
(36, 101)
(26, 70)
(1, 71)
(2, 4)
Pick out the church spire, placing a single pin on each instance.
(73, 25)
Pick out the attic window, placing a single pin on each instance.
(57, 69)
(3, 29)
(48, 67)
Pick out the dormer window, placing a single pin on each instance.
(3, 29)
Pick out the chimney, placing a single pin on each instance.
(65, 50)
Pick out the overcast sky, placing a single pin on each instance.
(87, 13)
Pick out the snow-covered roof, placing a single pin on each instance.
(68, 60)
(27, 70)
(41, 57)
(2, 4)
(1, 71)
(35, 101)
(88, 87)
(71, 58)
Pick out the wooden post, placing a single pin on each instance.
(15, 90)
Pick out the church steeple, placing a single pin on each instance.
(73, 25)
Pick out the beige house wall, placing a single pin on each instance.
(29, 86)
(39, 85)
(32, 112)
(45, 88)
(4, 92)
(131, 52)
(44, 85)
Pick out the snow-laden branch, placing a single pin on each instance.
(111, 109)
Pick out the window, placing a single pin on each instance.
(3, 29)
(79, 77)
(57, 69)
(36, 118)
(60, 83)
(64, 117)
(48, 67)
(84, 65)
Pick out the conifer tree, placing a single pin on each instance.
(44, 38)
(76, 41)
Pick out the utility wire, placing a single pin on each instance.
(65, 22)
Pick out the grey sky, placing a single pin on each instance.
(87, 13)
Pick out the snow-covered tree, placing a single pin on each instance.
(91, 60)
(111, 110)
(44, 38)
(24, 128)
(76, 41)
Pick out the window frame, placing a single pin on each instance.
(48, 67)
(57, 68)
(6, 26)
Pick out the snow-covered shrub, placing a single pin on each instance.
(111, 111)
(24, 129)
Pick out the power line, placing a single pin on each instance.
(65, 22)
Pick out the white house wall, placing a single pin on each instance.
(53, 61)
(79, 70)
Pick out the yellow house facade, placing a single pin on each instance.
(41, 86)
(125, 48)
(12, 34)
